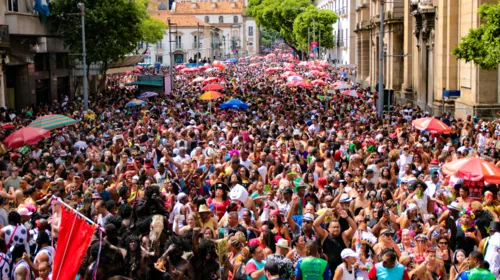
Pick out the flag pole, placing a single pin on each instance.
(58, 199)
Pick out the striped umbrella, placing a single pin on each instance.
(52, 121)
(473, 169)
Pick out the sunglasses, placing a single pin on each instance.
(388, 234)
(308, 222)
(420, 241)
(443, 243)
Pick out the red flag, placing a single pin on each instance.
(74, 239)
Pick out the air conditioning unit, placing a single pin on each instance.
(214, 5)
(193, 5)
(233, 5)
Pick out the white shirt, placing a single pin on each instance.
(431, 188)
(492, 256)
(402, 161)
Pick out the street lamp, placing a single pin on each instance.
(81, 6)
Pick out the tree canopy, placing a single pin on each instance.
(291, 17)
(113, 28)
(482, 45)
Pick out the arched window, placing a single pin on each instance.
(221, 19)
(207, 19)
(235, 19)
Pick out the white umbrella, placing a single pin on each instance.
(343, 86)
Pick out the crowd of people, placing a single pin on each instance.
(307, 183)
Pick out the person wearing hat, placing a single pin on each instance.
(206, 218)
(100, 190)
(179, 210)
(219, 199)
(346, 269)
(489, 247)
(285, 268)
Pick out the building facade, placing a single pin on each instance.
(433, 29)
(393, 41)
(344, 45)
(203, 29)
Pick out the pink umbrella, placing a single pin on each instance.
(351, 93)
(318, 83)
(294, 78)
(253, 65)
(210, 80)
(316, 67)
(299, 84)
(288, 74)
(303, 63)
(26, 135)
(179, 67)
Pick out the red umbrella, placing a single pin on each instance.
(351, 93)
(473, 169)
(26, 135)
(139, 67)
(210, 80)
(432, 125)
(253, 65)
(318, 82)
(299, 84)
(316, 67)
(212, 87)
(272, 70)
(180, 67)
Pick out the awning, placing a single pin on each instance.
(130, 60)
(152, 83)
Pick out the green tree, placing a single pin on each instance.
(482, 45)
(280, 16)
(113, 28)
(318, 21)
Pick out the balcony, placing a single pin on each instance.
(26, 24)
(4, 36)
(178, 46)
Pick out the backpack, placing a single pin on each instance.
(240, 273)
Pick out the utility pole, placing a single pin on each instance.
(308, 44)
(380, 100)
(170, 70)
(198, 45)
(319, 44)
(81, 6)
(314, 38)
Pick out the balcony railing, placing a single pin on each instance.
(178, 46)
(4, 36)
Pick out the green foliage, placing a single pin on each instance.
(281, 15)
(267, 37)
(113, 27)
(320, 21)
(482, 45)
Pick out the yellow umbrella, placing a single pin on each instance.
(211, 95)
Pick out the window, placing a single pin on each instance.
(221, 19)
(140, 45)
(159, 58)
(13, 5)
(159, 44)
(250, 31)
(235, 19)
(42, 62)
(207, 19)
(62, 61)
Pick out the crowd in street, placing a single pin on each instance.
(306, 183)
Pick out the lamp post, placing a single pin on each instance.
(380, 101)
(81, 6)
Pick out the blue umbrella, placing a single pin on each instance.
(136, 102)
(147, 94)
(232, 60)
(234, 104)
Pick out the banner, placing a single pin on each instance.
(74, 239)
